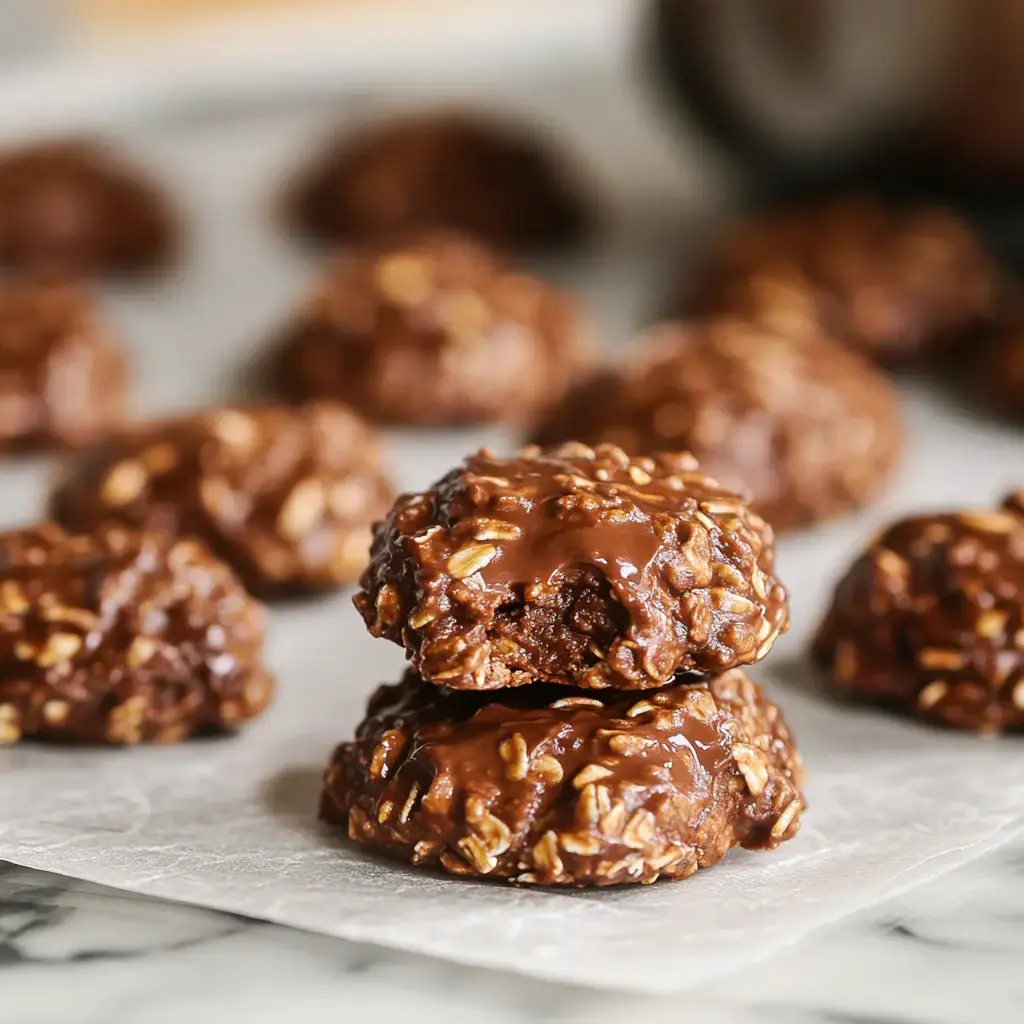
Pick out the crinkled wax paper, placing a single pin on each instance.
(230, 823)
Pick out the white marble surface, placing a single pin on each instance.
(948, 953)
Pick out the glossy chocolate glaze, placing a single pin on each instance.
(577, 566)
(549, 786)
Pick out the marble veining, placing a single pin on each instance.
(946, 953)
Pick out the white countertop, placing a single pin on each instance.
(947, 953)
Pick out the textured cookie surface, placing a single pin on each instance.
(809, 428)
(120, 636)
(547, 789)
(930, 619)
(898, 286)
(286, 496)
(573, 565)
(62, 374)
(435, 331)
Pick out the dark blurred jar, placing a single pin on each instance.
(930, 90)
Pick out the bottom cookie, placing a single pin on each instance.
(544, 787)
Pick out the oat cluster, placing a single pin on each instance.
(286, 496)
(548, 789)
(573, 565)
(810, 428)
(930, 619)
(898, 286)
(436, 331)
(72, 207)
(119, 636)
(448, 171)
(62, 374)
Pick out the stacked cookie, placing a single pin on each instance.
(610, 601)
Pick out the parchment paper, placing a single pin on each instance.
(230, 823)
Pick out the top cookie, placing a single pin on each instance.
(573, 565)
(447, 170)
(898, 286)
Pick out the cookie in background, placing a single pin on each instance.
(285, 495)
(810, 429)
(63, 370)
(435, 331)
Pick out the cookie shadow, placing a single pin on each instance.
(798, 672)
(292, 797)
(254, 380)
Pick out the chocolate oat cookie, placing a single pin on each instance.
(810, 428)
(120, 636)
(542, 788)
(899, 286)
(286, 496)
(574, 566)
(930, 619)
(447, 170)
(1001, 366)
(437, 331)
(62, 373)
(73, 207)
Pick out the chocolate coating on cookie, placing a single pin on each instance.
(930, 619)
(574, 566)
(72, 207)
(542, 788)
(434, 332)
(119, 636)
(898, 286)
(62, 374)
(449, 171)
(811, 429)
(286, 496)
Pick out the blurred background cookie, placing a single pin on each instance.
(286, 496)
(118, 636)
(1000, 374)
(810, 429)
(902, 287)
(62, 371)
(930, 620)
(435, 331)
(465, 172)
(74, 207)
